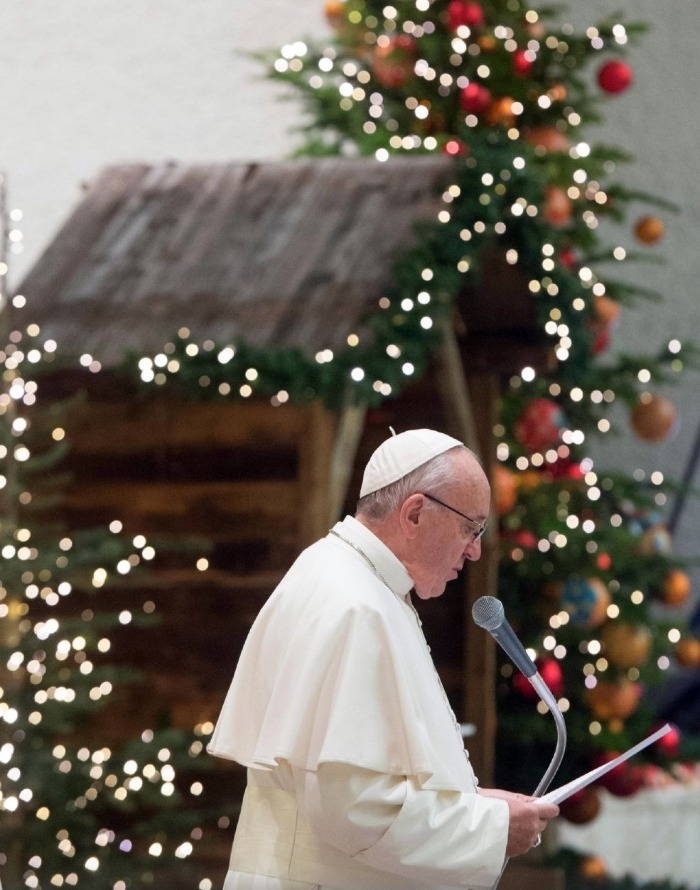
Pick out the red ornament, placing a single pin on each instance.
(455, 148)
(567, 258)
(603, 561)
(550, 671)
(393, 62)
(522, 63)
(615, 76)
(669, 744)
(623, 780)
(601, 341)
(582, 807)
(461, 13)
(475, 99)
(540, 425)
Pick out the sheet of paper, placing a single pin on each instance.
(564, 791)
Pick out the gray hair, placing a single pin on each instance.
(430, 476)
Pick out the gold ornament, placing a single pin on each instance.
(649, 229)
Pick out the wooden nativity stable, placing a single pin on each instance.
(278, 254)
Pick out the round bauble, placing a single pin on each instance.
(547, 139)
(625, 645)
(522, 63)
(622, 780)
(558, 209)
(475, 99)
(586, 600)
(656, 540)
(334, 11)
(455, 148)
(500, 112)
(653, 417)
(649, 229)
(615, 76)
(676, 588)
(582, 807)
(550, 671)
(540, 425)
(687, 652)
(592, 867)
(606, 310)
(613, 701)
(669, 744)
(461, 13)
(393, 62)
(602, 335)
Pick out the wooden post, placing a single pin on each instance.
(315, 456)
(350, 429)
(482, 580)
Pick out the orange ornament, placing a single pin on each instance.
(676, 589)
(334, 11)
(547, 139)
(504, 489)
(593, 867)
(501, 112)
(688, 652)
(557, 206)
(487, 44)
(613, 701)
(653, 417)
(626, 645)
(649, 229)
(606, 310)
(557, 92)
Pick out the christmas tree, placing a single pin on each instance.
(83, 802)
(587, 573)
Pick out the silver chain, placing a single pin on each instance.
(408, 602)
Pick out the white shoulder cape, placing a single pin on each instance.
(336, 669)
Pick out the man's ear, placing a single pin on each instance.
(411, 514)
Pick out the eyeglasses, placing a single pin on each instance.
(481, 527)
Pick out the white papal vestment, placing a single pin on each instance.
(357, 775)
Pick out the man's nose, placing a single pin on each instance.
(473, 550)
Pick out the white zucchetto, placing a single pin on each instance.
(401, 454)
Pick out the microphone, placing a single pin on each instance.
(488, 613)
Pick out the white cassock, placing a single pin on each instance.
(357, 774)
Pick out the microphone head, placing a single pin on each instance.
(488, 612)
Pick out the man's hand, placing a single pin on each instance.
(528, 818)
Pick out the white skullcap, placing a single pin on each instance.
(400, 455)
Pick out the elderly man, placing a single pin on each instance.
(357, 774)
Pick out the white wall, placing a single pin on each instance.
(87, 83)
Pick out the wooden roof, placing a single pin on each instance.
(285, 253)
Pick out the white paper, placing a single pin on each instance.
(565, 791)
